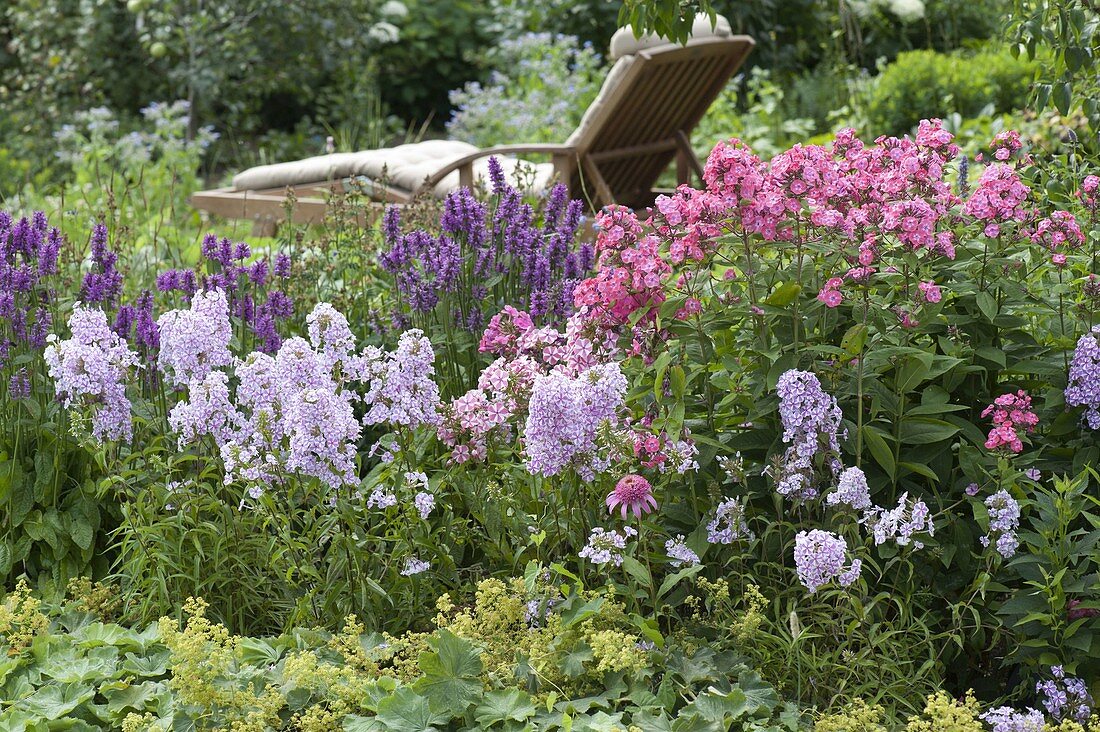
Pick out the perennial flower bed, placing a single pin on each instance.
(830, 417)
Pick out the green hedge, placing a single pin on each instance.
(923, 84)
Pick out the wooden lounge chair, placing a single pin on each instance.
(640, 123)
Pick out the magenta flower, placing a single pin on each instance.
(634, 493)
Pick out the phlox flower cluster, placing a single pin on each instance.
(424, 504)
(830, 293)
(1007, 719)
(606, 547)
(820, 557)
(91, 369)
(499, 404)
(564, 416)
(1012, 418)
(631, 271)
(290, 414)
(1065, 697)
(415, 565)
(1083, 389)
(691, 221)
(401, 391)
(208, 410)
(195, 341)
(679, 553)
(901, 523)
(469, 421)
(851, 491)
(1005, 145)
(1089, 193)
(895, 186)
(811, 424)
(1004, 518)
(1058, 232)
(658, 451)
(998, 199)
(729, 523)
(381, 499)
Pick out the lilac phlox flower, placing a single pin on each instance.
(819, 558)
(679, 553)
(424, 503)
(1033, 474)
(415, 565)
(1004, 518)
(381, 499)
(208, 410)
(92, 369)
(851, 490)
(401, 390)
(1007, 719)
(329, 333)
(1083, 389)
(538, 611)
(811, 421)
(323, 434)
(900, 523)
(1065, 697)
(563, 418)
(194, 342)
(606, 547)
(729, 524)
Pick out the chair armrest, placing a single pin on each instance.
(465, 163)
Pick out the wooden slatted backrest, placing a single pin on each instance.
(665, 90)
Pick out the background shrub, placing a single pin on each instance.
(926, 83)
(542, 88)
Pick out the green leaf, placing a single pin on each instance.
(138, 697)
(922, 470)
(720, 709)
(674, 579)
(56, 701)
(926, 431)
(987, 304)
(572, 663)
(93, 635)
(576, 613)
(854, 339)
(677, 381)
(451, 670)
(636, 570)
(407, 711)
(82, 533)
(880, 451)
(1063, 97)
(784, 295)
(503, 706)
(759, 693)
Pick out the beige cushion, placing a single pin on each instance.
(601, 106)
(623, 43)
(404, 166)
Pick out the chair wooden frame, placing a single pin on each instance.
(641, 126)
